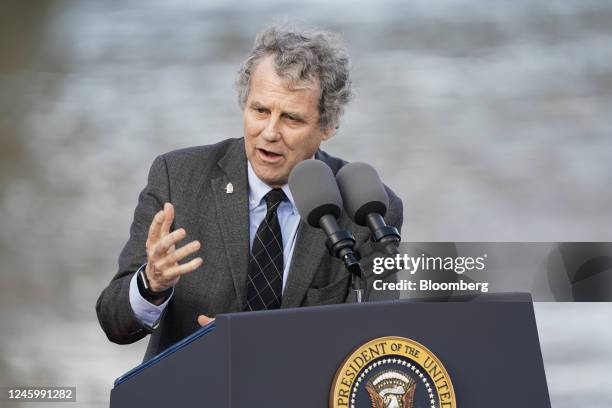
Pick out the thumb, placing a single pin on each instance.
(203, 320)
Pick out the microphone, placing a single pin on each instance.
(319, 203)
(366, 200)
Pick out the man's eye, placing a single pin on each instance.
(261, 110)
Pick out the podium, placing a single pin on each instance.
(488, 345)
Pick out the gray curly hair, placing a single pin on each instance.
(304, 55)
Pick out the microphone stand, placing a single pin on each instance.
(354, 267)
(340, 244)
(385, 237)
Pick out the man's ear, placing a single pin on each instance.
(328, 133)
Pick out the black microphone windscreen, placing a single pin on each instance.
(362, 191)
(315, 191)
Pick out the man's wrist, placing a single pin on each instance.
(145, 289)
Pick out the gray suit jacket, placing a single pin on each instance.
(194, 181)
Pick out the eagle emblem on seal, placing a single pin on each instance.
(391, 389)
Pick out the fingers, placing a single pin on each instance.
(163, 270)
(183, 251)
(155, 228)
(178, 270)
(203, 320)
(160, 226)
(173, 256)
(160, 279)
(164, 244)
(168, 219)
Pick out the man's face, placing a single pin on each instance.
(281, 125)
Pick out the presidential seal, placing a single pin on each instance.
(392, 372)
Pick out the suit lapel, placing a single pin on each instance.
(233, 214)
(309, 250)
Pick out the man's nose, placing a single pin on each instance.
(272, 132)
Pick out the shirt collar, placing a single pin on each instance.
(258, 189)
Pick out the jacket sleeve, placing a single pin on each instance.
(113, 307)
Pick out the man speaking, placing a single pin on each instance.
(216, 229)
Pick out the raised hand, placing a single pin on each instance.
(163, 268)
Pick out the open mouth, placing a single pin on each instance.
(269, 156)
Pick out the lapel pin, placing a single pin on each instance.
(229, 189)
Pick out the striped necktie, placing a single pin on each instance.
(265, 275)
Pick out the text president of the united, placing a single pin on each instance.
(215, 229)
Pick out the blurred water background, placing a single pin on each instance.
(491, 120)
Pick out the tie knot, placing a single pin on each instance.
(274, 197)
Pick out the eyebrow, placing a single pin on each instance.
(256, 105)
(294, 115)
